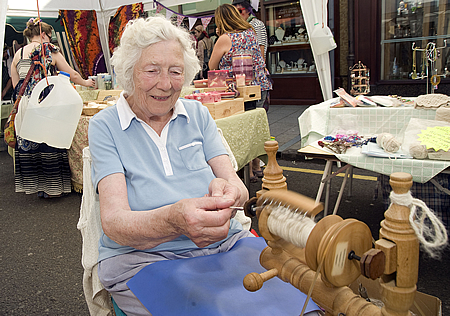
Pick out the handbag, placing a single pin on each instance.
(9, 129)
(9, 132)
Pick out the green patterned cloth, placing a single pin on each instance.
(246, 134)
(88, 95)
(422, 170)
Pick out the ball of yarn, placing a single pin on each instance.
(443, 114)
(418, 151)
(388, 142)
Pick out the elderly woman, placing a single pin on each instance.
(164, 180)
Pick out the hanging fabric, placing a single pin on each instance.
(120, 19)
(83, 34)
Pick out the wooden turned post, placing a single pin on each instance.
(273, 175)
(399, 287)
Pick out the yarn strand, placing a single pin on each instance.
(433, 237)
(294, 227)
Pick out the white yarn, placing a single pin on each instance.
(293, 227)
(388, 142)
(418, 151)
(433, 237)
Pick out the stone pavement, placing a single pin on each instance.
(283, 124)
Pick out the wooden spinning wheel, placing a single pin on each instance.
(332, 249)
(329, 243)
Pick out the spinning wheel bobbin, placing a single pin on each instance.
(330, 242)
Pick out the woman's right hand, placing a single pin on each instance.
(204, 220)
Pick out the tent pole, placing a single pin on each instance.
(104, 42)
(3, 8)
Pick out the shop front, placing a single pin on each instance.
(405, 44)
(289, 57)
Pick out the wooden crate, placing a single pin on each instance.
(250, 93)
(225, 108)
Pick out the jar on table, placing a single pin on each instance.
(243, 64)
(108, 82)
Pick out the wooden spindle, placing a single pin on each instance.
(273, 174)
(399, 287)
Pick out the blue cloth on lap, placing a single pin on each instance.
(212, 285)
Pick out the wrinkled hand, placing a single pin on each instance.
(221, 188)
(204, 220)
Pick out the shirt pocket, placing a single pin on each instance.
(193, 156)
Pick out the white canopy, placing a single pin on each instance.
(50, 8)
(321, 41)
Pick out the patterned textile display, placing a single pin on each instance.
(120, 19)
(82, 31)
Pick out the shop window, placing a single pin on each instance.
(289, 51)
(412, 39)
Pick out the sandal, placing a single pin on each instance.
(47, 196)
(253, 179)
(258, 173)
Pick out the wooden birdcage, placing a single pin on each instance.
(360, 76)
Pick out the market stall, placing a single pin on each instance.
(322, 122)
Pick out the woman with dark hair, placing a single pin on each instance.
(40, 168)
(204, 48)
(237, 35)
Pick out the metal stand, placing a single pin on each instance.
(430, 55)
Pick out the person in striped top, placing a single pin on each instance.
(245, 9)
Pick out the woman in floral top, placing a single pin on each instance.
(237, 35)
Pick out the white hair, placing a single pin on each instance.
(140, 34)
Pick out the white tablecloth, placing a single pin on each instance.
(319, 121)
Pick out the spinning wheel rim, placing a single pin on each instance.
(315, 238)
(350, 235)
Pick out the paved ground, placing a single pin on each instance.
(40, 249)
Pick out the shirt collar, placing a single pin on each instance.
(126, 115)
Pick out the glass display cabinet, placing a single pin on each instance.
(288, 51)
(412, 39)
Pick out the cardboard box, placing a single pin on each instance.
(225, 108)
(439, 155)
(428, 305)
(106, 94)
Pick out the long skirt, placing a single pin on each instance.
(39, 167)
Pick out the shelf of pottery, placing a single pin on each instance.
(290, 54)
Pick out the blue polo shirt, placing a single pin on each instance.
(159, 170)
